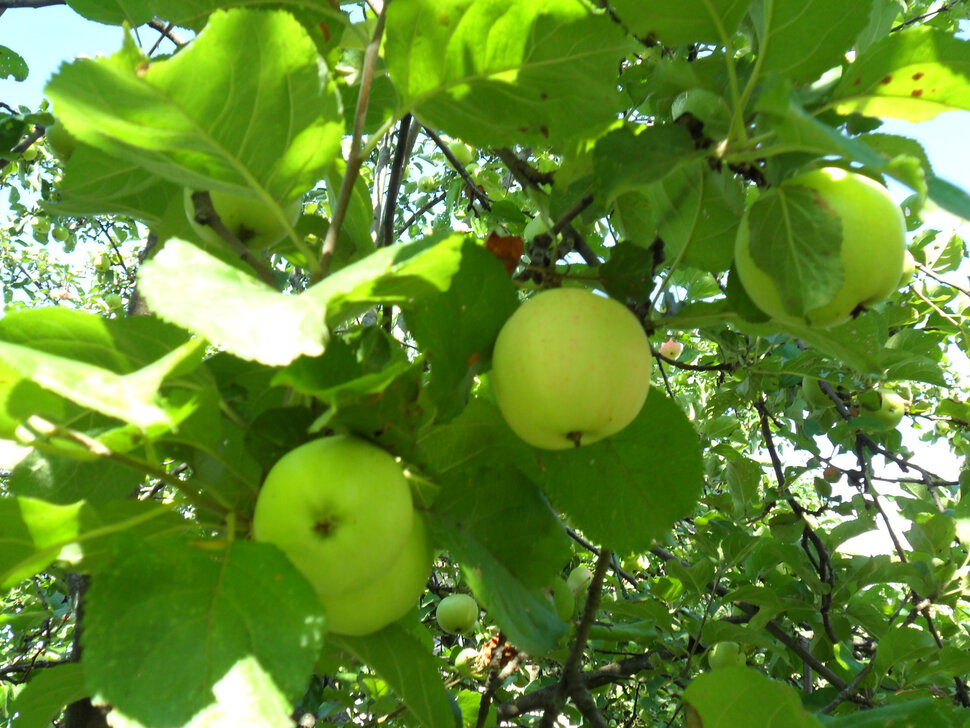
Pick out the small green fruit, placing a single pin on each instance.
(885, 406)
(725, 654)
(254, 222)
(427, 183)
(457, 613)
(61, 142)
(814, 396)
(579, 579)
(466, 662)
(463, 153)
(563, 599)
(29, 154)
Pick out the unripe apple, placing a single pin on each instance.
(61, 142)
(814, 396)
(832, 474)
(457, 613)
(909, 269)
(29, 154)
(671, 349)
(255, 223)
(569, 368)
(339, 508)
(579, 579)
(387, 597)
(725, 654)
(873, 244)
(563, 599)
(885, 406)
(463, 153)
(466, 661)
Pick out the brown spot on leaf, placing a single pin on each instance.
(544, 130)
(918, 75)
(507, 248)
(916, 93)
(886, 80)
(543, 95)
(857, 82)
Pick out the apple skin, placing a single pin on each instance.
(579, 579)
(563, 599)
(457, 613)
(61, 142)
(339, 508)
(570, 368)
(388, 597)
(252, 221)
(725, 654)
(885, 406)
(463, 153)
(466, 662)
(873, 245)
(814, 396)
(909, 269)
(671, 349)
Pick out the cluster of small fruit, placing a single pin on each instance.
(340, 509)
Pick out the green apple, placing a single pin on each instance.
(61, 142)
(725, 654)
(463, 153)
(29, 154)
(579, 579)
(388, 597)
(873, 244)
(671, 349)
(339, 508)
(569, 368)
(466, 662)
(457, 613)
(885, 406)
(909, 269)
(427, 183)
(255, 223)
(814, 396)
(562, 599)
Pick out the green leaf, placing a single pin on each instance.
(46, 693)
(12, 65)
(909, 714)
(713, 21)
(628, 274)
(802, 40)
(629, 509)
(62, 480)
(407, 667)
(400, 274)
(456, 328)
(626, 159)
(237, 313)
(494, 506)
(901, 643)
(131, 12)
(97, 184)
(950, 197)
(754, 700)
(132, 398)
(796, 240)
(233, 633)
(913, 75)
(245, 108)
(505, 72)
(33, 534)
(697, 212)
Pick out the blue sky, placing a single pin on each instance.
(46, 37)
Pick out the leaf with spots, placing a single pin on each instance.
(913, 75)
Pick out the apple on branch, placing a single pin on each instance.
(339, 508)
(569, 368)
(254, 222)
(671, 348)
(457, 613)
(872, 251)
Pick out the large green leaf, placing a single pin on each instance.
(456, 328)
(33, 534)
(628, 490)
(910, 714)
(913, 74)
(738, 697)
(186, 286)
(244, 108)
(504, 72)
(713, 21)
(63, 480)
(408, 668)
(46, 693)
(178, 635)
(801, 40)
